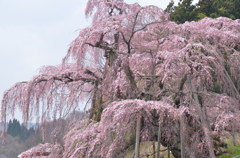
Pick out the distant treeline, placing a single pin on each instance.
(187, 11)
(15, 129)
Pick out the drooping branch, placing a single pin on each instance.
(53, 92)
(204, 123)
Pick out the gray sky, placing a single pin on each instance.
(34, 33)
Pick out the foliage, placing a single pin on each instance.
(16, 130)
(231, 150)
(47, 147)
(12, 148)
(20, 138)
(170, 7)
(132, 61)
(90, 135)
(219, 8)
(186, 11)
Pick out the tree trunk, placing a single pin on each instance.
(130, 75)
(154, 149)
(96, 109)
(204, 124)
(233, 133)
(168, 152)
(182, 135)
(137, 137)
(159, 140)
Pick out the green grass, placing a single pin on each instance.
(231, 150)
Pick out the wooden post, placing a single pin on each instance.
(137, 137)
(159, 140)
(168, 153)
(204, 123)
(182, 136)
(233, 133)
(154, 150)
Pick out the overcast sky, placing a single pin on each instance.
(34, 33)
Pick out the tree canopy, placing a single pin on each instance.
(15, 129)
(186, 11)
(132, 62)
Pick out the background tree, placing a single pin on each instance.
(170, 7)
(219, 8)
(25, 138)
(185, 11)
(226, 9)
(204, 8)
(16, 130)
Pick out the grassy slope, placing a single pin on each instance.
(231, 149)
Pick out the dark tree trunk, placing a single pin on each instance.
(159, 140)
(137, 145)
